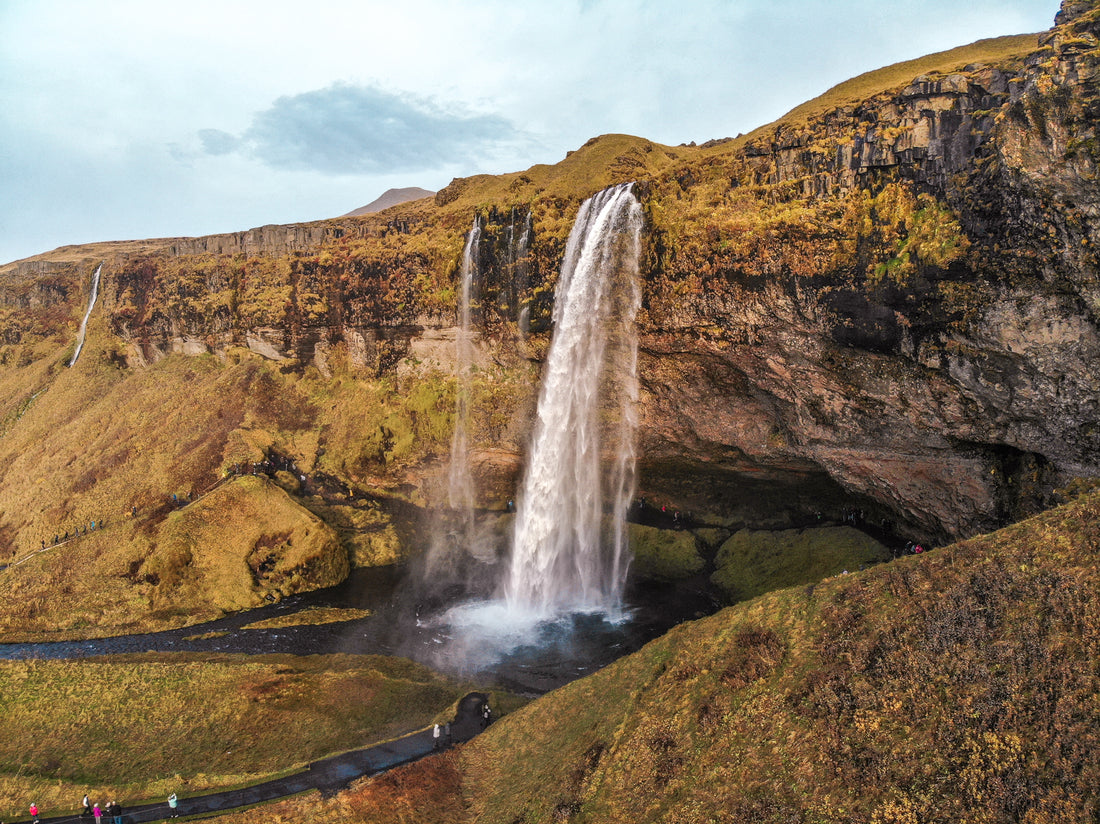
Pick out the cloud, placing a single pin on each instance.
(351, 129)
(217, 142)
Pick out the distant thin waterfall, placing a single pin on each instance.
(461, 492)
(84, 323)
(570, 546)
(519, 277)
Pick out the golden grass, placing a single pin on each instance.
(138, 727)
(310, 617)
(994, 51)
(426, 792)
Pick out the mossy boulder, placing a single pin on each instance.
(752, 562)
(664, 554)
(380, 546)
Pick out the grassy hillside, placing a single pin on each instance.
(956, 686)
(139, 727)
(106, 444)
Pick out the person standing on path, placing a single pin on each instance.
(116, 811)
(98, 813)
(173, 806)
(34, 813)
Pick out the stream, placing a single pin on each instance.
(529, 660)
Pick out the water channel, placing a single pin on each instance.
(550, 654)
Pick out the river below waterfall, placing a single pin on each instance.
(545, 656)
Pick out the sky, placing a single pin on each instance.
(123, 120)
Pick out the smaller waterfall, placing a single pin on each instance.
(84, 323)
(461, 493)
(570, 550)
(520, 278)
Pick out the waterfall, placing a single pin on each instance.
(87, 314)
(461, 493)
(570, 545)
(519, 277)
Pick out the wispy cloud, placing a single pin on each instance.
(351, 129)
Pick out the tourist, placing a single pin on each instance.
(173, 806)
(116, 811)
(435, 737)
(87, 811)
(34, 813)
(97, 813)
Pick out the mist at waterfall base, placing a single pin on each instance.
(564, 578)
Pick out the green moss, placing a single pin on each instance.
(752, 563)
(664, 554)
(712, 536)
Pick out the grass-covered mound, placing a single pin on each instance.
(663, 554)
(752, 562)
(139, 727)
(242, 544)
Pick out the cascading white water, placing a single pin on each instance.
(519, 277)
(84, 323)
(570, 546)
(461, 492)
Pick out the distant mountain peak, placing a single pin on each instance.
(391, 197)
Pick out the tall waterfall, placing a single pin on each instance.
(461, 492)
(570, 546)
(84, 323)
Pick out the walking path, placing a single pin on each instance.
(327, 775)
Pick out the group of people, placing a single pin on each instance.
(92, 811)
(77, 533)
(95, 812)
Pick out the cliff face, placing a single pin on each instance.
(891, 304)
(945, 367)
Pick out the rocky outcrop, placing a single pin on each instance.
(950, 398)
